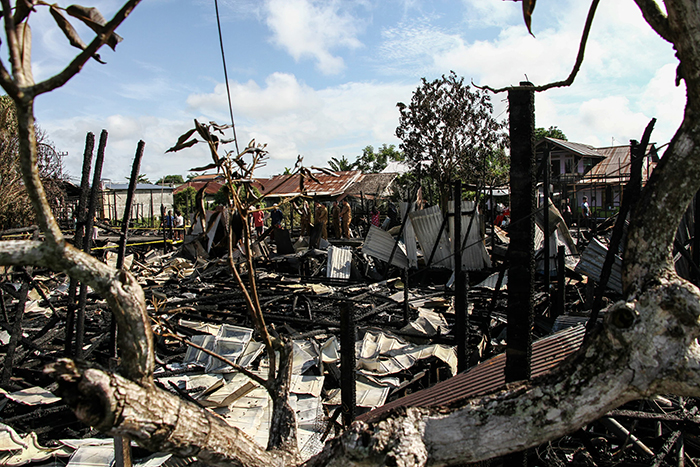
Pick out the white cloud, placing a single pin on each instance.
(318, 124)
(480, 14)
(310, 29)
(124, 134)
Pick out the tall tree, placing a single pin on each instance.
(340, 165)
(448, 131)
(374, 162)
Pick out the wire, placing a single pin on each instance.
(228, 90)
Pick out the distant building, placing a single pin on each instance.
(146, 203)
(578, 170)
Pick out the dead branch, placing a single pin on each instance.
(577, 65)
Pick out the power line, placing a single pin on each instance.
(228, 90)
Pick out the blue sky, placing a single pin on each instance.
(322, 78)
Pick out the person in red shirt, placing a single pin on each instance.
(258, 220)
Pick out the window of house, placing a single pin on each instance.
(569, 165)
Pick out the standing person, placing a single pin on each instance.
(346, 217)
(276, 217)
(374, 216)
(305, 214)
(566, 211)
(168, 223)
(179, 226)
(258, 220)
(335, 217)
(321, 218)
(585, 212)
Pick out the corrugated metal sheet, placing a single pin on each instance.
(426, 224)
(379, 244)
(474, 257)
(409, 237)
(489, 375)
(616, 166)
(491, 282)
(591, 265)
(286, 185)
(578, 148)
(339, 263)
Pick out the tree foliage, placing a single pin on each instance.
(374, 162)
(340, 165)
(142, 178)
(15, 208)
(448, 131)
(171, 180)
(184, 201)
(551, 132)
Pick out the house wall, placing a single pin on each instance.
(146, 203)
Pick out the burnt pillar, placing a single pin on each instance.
(347, 363)
(521, 274)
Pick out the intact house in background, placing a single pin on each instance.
(146, 204)
(600, 174)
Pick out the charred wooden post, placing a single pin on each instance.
(122, 452)
(521, 275)
(165, 232)
(16, 334)
(696, 234)
(125, 232)
(81, 218)
(547, 161)
(94, 197)
(631, 195)
(347, 363)
(460, 284)
(405, 297)
(561, 280)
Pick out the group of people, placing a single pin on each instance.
(174, 225)
(340, 217)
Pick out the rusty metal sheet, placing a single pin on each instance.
(286, 185)
(486, 377)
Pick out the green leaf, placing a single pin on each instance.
(94, 20)
(70, 31)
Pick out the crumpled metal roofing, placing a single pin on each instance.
(592, 261)
(288, 185)
(488, 376)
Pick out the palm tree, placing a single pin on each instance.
(340, 165)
